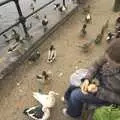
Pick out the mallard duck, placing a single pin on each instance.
(34, 56)
(88, 18)
(32, 7)
(37, 112)
(56, 5)
(51, 54)
(12, 48)
(110, 36)
(47, 100)
(16, 36)
(7, 38)
(98, 39)
(30, 26)
(62, 8)
(45, 21)
(83, 31)
(44, 77)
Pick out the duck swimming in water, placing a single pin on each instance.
(37, 112)
(32, 7)
(62, 8)
(45, 21)
(56, 5)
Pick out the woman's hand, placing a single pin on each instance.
(92, 88)
(84, 86)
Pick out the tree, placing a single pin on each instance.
(116, 6)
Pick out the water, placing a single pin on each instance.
(9, 15)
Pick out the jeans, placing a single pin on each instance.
(75, 100)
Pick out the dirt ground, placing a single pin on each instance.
(14, 98)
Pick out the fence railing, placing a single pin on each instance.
(22, 19)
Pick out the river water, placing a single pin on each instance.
(9, 14)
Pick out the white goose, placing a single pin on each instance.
(47, 100)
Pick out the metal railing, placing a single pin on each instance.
(22, 19)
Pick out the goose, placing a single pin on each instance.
(56, 5)
(37, 112)
(45, 21)
(47, 100)
(51, 54)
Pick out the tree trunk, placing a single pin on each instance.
(117, 6)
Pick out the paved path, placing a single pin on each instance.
(13, 98)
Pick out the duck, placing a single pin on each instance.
(110, 36)
(34, 56)
(51, 54)
(88, 18)
(98, 38)
(62, 8)
(37, 112)
(12, 48)
(16, 36)
(30, 26)
(32, 7)
(7, 38)
(56, 5)
(45, 21)
(83, 31)
(47, 100)
(44, 77)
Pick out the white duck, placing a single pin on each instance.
(47, 100)
(37, 112)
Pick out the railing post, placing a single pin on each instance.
(21, 17)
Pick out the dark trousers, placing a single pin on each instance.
(75, 100)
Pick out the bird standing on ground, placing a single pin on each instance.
(51, 54)
(37, 112)
(83, 30)
(47, 100)
(44, 77)
(88, 18)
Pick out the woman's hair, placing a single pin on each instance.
(113, 50)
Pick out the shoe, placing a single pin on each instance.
(64, 111)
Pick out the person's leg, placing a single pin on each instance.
(68, 92)
(76, 100)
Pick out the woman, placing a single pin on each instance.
(107, 71)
